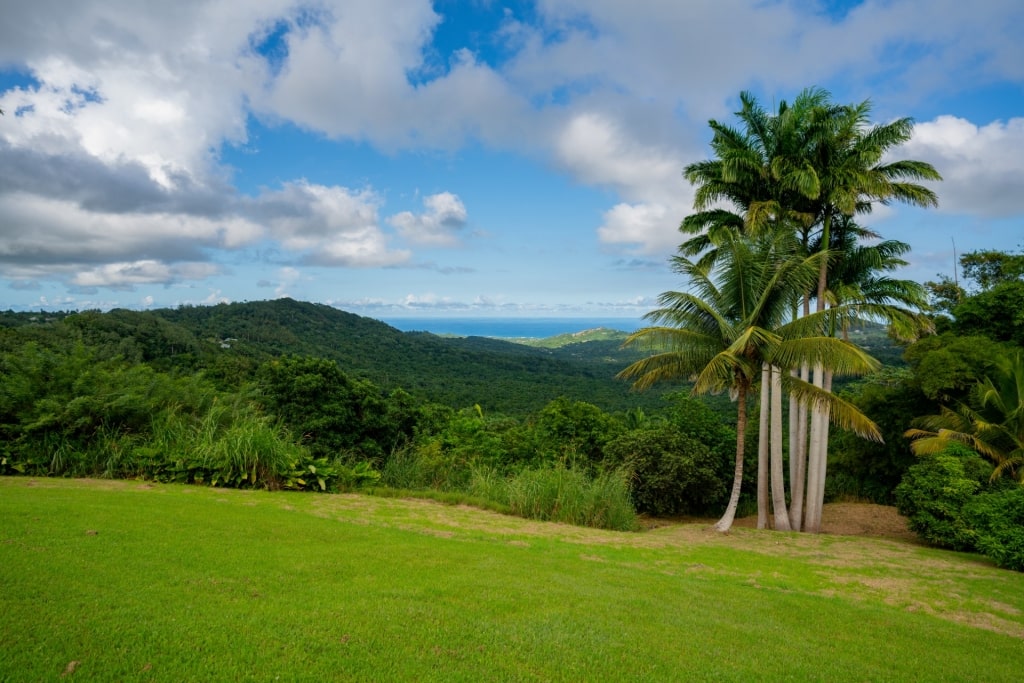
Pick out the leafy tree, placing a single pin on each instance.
(868, 469)
(996, 313)
(946, 367)
(571, 429)
(670, 472)
(989, 268)
(335, 414)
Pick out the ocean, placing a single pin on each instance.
(507, 328)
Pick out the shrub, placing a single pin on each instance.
(998, 520)
(669, 472)
(935, 491)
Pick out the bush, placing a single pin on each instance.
(934, 493)
(669, 472)
(998, 521)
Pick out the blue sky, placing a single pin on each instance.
(478, 158)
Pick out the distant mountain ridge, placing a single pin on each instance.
(499, 375)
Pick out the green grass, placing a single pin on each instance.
(147, 582)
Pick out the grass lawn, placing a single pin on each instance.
(125, 581)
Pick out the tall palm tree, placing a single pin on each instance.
(733, 322)
(853, 174)
(859, 289)
(993, 425)
(806, 167)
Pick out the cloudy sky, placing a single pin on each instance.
(455, 157)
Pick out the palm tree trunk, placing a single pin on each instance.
(798, 443)
(798, 453)
(819, 417)
(819, 492)
(778, 482)
(762, 448)
(725, 523)
(794, 429)
(812, 515)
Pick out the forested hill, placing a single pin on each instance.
(229, 341)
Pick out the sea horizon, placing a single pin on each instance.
(510, 328)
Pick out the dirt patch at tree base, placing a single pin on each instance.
(840, 519)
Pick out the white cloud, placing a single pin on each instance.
(331, 225)
(37, 234)
(288, 276)
(117, 177)
(652, 228)
(599, 151)
(981, 166)
(128, 275)
(440, 225)
(361, 72)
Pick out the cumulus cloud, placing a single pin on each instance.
(360, 71)
(651, 227)
(128, 275)
(981, 166)
(599, 151)
(110, 153)
(110, 174)
(38, 232)
(330, 225)
(439, 225)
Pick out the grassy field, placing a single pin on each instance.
(125, 581)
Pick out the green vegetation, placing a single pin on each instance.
(229, 342)
(131, 581)
(952, 501)
(772, 232)
(786, 292)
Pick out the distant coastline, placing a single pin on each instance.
(510, 328)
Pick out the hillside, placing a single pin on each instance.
(509, 376)
(228, 341)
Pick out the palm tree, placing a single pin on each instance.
(993, 425)
(809, 167)
(848, 159)
(859, 289)
(735, 321)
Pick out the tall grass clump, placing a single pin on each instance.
(425, 467)
(558, 493)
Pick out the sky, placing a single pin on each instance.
(454, 158)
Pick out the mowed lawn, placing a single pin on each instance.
(125, 581)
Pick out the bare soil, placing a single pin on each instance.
(839, 519)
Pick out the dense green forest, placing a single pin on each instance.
(228, 342)
(297, 395)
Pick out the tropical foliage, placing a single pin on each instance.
(992, 424)
(796, 177)
(736, 322)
